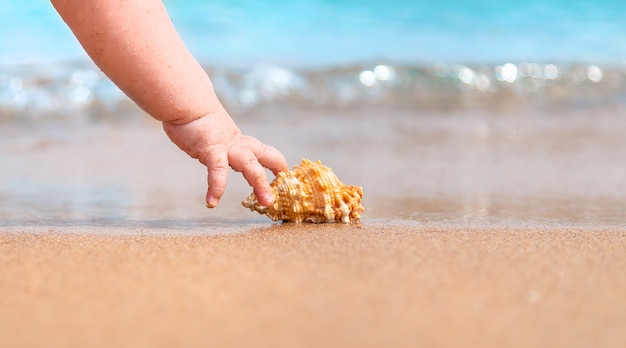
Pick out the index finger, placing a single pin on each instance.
(268, 156)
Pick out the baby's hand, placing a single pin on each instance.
(216, 142)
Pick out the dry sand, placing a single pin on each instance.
(292, 285)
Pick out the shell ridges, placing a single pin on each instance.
(310, 192)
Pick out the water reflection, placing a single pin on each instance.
(367, 78)
(506, 72)
(551, 72)
(594, 73)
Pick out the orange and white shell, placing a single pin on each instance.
(310, 192)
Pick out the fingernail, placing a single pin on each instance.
(212, 203)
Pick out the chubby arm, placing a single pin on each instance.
(136, 45)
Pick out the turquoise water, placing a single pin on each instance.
(306, 32)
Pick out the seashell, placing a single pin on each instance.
(310, 192)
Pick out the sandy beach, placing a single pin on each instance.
(479, 231)
(290, 285)
(489, 139)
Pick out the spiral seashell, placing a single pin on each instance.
(310, 192)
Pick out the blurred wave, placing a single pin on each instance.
(80, 92)
(63, 92)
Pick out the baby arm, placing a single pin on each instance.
(136, 45)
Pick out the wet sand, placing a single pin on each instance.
(367, 285)
(458, 169)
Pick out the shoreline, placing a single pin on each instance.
(314, 285)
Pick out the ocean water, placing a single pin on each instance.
(462, 112)
(338, 53)
(324, 32)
